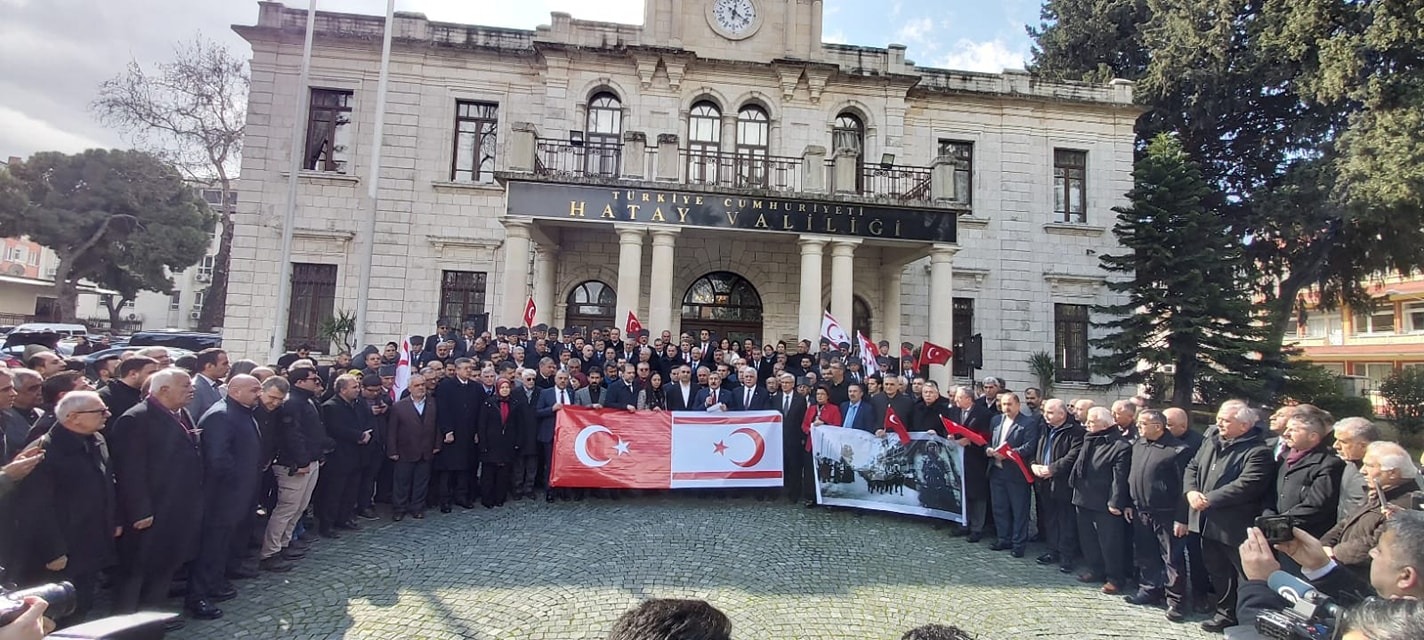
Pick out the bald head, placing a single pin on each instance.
(244, 390)
(1055, 411)
(1177, 421)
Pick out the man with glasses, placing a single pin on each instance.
(412, 441)
(301, 443)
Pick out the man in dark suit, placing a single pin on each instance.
(158, 471)
(412, 440)
(232, 467)
(751, 395)
(992, 388)
(857, 413)
(347, 425)
(1008, 489)
(212, 368)
(623, 394)
(796, 462)
(1226, 484)
(713, 397)
(892, 396)
(682, 390)
(125, 391)
(546, 411)
(458, 401)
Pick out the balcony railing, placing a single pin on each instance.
(742, 170)
(563, 158)
(906, 184)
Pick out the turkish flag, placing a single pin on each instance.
(894, 423)
(632, 328)
(1009, 452)
(529, 309)
(611, 449)
(956, 430)
(932, 353)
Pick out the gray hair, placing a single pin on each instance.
(166, 378)
(1242, 411)
(1100, 413)
(75, 401)
(996, 381)
(345, 380)
(1390, 455)
(152, 352)
(1360, 428)
(1408, 528)
(276, 382)
(1124, 405)
(1153, 416)
(1385, 618)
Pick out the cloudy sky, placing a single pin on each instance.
(56, 52)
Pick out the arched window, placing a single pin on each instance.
(753, 146)
(591, 305)
(704, 140)
(860, 316)
(725, 304)
(603, 135)
(849, 133)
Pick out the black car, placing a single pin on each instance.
(188, 340)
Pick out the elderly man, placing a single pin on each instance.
(972, 415)
(1186, 549)
(1352, 437)
(1010, 493)
(1308, 476)
(1057, 453)
(29, 395)
(1387, 466)
(158, 469)
(1079, 408)
(1099, 479)
(1159, 461)
(158, 354)
(412, 440)
(1124, 414)
(232, 469)
(70, 510)
(55, 388)
(1226, 483)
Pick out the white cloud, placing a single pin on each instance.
(835, 37)
(991, 56)
(915, 32)
(23, 135)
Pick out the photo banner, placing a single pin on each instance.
(615, 449)
(855, 468)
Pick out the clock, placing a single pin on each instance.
(734, 19)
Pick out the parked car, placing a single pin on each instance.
(188, 340)
(61, 328)
(13, 350)
(173, 353)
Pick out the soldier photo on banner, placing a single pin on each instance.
(924, 476)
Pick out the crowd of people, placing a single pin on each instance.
(213, 471)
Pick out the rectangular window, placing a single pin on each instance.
(1377, 321)
(311, 303)
(175, 300)
(963, 327)
(1376, 372)
(462, 297)
(198, 298)
(328, 131)
(205, 269)
(1414, 317)
(1070, 179)
(962, 153)
(1070, 341)
(476, 127)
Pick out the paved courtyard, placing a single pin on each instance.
(566, 571)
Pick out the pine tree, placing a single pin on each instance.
(1184, 277)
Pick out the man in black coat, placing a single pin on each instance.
(681, 390)
(158, 470)
(1227, 483)
(457, 403)
(232, 465)
(623, 393)
(1308, 478)
(301, 446)
(1186, 550)
(1058, 452)
(798, 470)
(125, 391)
(1100, 492)
(68, 504)
(1158, 513)
(349, 425)
(972, 415)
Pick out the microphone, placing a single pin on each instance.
(1293, 589)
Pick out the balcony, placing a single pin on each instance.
(634, 159)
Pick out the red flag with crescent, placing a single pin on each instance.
(895, 424)
(956, 430)
(1009, 452)
(632, 327)
(932, 353)
(529, 310)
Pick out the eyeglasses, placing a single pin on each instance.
(104, 410)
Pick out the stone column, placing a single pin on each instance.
(544, 272)
(890, 278)
(942, 304)
(809, 313)
(660, 302)
(517, 254)
(630, 273)
(843, 283)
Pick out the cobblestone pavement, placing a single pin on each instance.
(566, 571)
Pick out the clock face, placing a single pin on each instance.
(737, 18)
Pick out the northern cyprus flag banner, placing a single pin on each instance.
(854, 468)
(613, 449)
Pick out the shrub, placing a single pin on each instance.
(1403, 392)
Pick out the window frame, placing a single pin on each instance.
(1369, 315)
(603, 144)
(466, 290)
(485, 132)
(1070, 168)
(311, 301)
(962, 153)
(1071, 333)
(338, 159)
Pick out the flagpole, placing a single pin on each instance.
(373, 179)
(289, 215)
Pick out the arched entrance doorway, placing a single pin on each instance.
(725, 304)
(590, 306)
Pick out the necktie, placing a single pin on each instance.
(850, 415)
(785, 403)
(747, 403)
(563, 396)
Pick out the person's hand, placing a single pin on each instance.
(23, 464)
(1041, 470)
(1258, 562)
(880, 433)
(365, 437)
(1306, 550)
(144, 523)
(450, 437)
(1179, 529)
(558, 407)
(435, 450)
(1115, 511)
(1127, 513)
(595, 406)
(118, 531)
(1197, 500)
(631, 408)
(964, 442)
(31, 624)
(57, 564)
(395, 457)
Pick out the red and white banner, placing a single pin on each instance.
(402, 371)
(612, 449)
(831, 330)
(868, 353)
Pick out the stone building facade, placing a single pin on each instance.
(716, 167)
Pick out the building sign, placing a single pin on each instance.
(612, 205)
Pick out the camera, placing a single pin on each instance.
(1311, 615)
(59, 596)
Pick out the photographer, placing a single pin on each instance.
(1397, 571)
